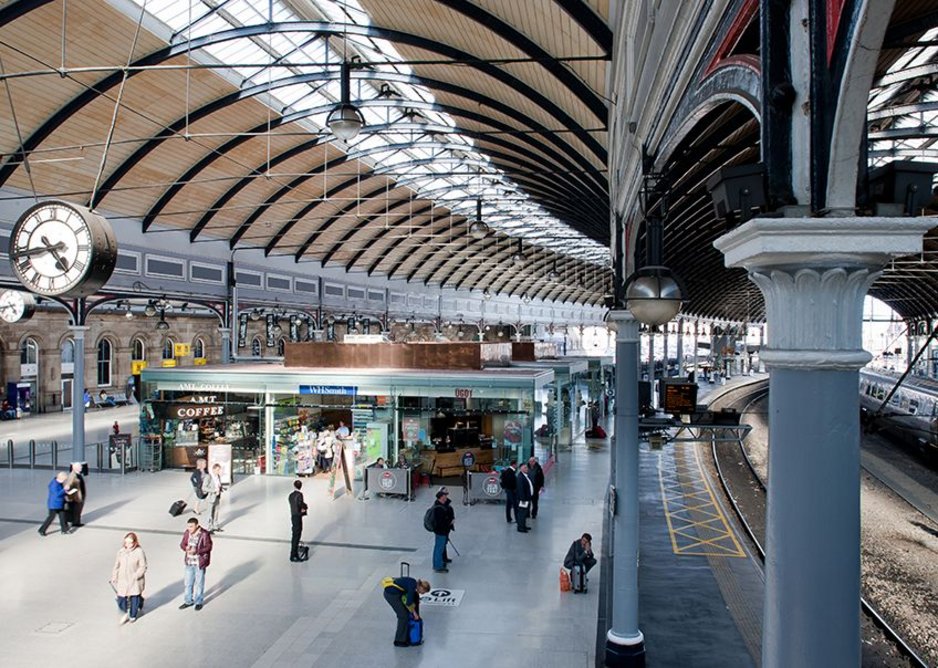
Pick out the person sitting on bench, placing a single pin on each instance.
(579, 561)
(105, 401)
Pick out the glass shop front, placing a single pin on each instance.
(295, 421)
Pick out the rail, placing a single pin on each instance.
(868, 609)
(101, 457)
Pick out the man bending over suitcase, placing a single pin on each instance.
(580, 560)
(403, 595)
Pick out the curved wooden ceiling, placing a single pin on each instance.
(474, 100)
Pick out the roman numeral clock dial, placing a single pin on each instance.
(60, 249)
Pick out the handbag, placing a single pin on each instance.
(565, 584)
(524, 504)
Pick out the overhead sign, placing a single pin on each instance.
(329, 389)
(136, 366)
(169, 363)
(182, 349)
(463, 393)
(199, 361)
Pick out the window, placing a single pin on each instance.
(160, 266)
(256, 347)
(280, 347)
(68, 351)
(29, 352)
(104, 363)
(139, 350)
(169, 349)
(198, 347)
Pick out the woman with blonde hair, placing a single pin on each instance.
(127, 578)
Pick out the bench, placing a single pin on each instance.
(450, 463)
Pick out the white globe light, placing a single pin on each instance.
(345, 121)
(654, 298)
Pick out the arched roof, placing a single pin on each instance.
(210, 118)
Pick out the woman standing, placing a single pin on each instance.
(127, 578)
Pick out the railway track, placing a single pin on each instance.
(746, 491)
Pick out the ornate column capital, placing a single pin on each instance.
(625, 324)
(814, 274)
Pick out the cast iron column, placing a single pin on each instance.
(625, 644)
(78, 393)
(814, 274)
(225, 344)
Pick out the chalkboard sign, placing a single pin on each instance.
(679, 398)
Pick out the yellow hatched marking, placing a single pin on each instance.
(696, 523)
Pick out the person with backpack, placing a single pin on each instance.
(437, 520)
(196, 480)
(509, 484)
(403, 595)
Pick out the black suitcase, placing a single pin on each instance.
(302, 553)
(176, 509)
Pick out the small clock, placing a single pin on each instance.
(60, 249)
(16, 306)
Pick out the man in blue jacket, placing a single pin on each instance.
(403, 595)
(56, 503)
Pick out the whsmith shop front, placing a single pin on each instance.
(272, 417)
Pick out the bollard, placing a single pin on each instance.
(32, 453)
(100, 456)
(55, 455)
(10, 453)
(124, 460)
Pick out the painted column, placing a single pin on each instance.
(696, 347)
(225, 345)
(78, 393)
(680, 347)
(625, 644)
(814, 274)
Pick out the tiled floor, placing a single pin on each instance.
(263, 610)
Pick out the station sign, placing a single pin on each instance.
(136, 366)
(340, 390)
(182, 349)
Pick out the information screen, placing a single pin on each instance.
(679, 398)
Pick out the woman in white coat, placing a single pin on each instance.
(127, 578)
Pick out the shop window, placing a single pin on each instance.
(104, 363)
(169, 349)
(256, 347)
(198, 347)
(139, 352)
(280, 347)
(68, 351)
(29, 352)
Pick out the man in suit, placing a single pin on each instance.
(525, 494)
(298, 509)
(537, 477)
(509, 483)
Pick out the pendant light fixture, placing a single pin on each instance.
(518, 257)
(345, 120)
(553, 274)
(478, 229)
(162, 325)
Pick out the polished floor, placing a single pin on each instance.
(263, 610)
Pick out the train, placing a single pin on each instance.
(911, 414)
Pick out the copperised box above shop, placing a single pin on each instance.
(395, 355)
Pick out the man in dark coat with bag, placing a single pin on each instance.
(298, 509)
(525, 494)
(509, 484)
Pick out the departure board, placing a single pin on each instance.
(679, 398)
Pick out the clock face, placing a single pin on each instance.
(16, 306)
(58, 248)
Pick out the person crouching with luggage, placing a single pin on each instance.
(403, 595)
(580, 560)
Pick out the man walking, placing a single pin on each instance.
(298, 509)
(75, 488)
(525, 494)
(441, 528)
(197, 544)
(56, 503)
(211, 485)
(509, 484)
(536, 473)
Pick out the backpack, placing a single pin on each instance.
(428, 520)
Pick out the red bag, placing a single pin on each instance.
(565, 584)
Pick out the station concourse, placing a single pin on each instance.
(184, 184)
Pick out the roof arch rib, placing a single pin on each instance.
(363, 225)
(94, 90)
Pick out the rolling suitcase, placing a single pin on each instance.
(578, 576)
(176, 509)
(415, 631)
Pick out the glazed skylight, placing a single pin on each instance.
(458, 173)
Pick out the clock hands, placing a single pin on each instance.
(60, 262)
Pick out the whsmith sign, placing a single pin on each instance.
(329, 389)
